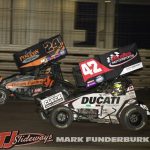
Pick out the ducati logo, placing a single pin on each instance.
(100, 100)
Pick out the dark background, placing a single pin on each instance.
(132, 25)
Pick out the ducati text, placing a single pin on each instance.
(100, 100)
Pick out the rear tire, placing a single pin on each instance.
(61, 117)
(133, 118)
(4, 95)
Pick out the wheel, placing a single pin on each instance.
(61, 117)
(4, 95)
(133, 118)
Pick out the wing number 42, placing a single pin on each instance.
(90, 68)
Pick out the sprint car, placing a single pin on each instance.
(114, 102)
(24, 87)
(103, 93)
(38, 70)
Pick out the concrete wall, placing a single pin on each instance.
(27, 21)
(4, 21)
(37, 19)
(105, 25)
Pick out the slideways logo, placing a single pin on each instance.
(118, 59)
(13, 138)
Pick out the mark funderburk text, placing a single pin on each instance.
(102, 139)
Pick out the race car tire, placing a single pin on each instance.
(61, 117)
(4, 95)
(133, 118)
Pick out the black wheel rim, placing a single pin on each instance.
(135, 119)
(62, 117)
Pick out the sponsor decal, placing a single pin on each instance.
(91, 83)
(99, 79)
(13, 138)
(38, 90)
(44, 81)
(51, 56)
(63, 52)
(30, 56)
(90, 113)
(91, 68)
(132, 68)
(52, 100)
(44, 52)
(35, 63)
(117, 59)
(100, 100)
(25, 83)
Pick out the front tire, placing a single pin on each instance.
(4, 95)
(133, 118)
(61, 117)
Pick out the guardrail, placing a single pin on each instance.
(76, 54)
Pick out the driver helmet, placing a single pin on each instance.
(117, 89)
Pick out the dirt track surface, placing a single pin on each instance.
(22, 116)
